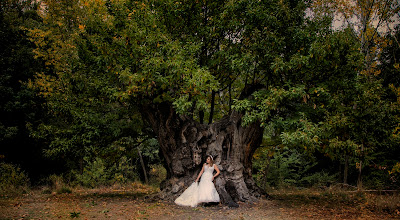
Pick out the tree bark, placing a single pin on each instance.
(346, 169)
(143, 166)
(266, 170)
(359, 179)
(185, 143)
(210, 119)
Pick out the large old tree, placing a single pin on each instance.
(194, 70)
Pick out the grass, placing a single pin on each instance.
(337, 199)
(130, 201)
(132, 195)
(384, 203)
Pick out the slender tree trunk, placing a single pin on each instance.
(230, 98)
(359, 180)
(185, 143)
(81, 160)
(266, 169)
(143, 166)
(346, 169)
(201, 116)
(210, 119)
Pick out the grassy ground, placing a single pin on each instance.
(338, 204)
(131, 202)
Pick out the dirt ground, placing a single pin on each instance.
(134, 204)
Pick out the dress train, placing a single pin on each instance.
(200, 192)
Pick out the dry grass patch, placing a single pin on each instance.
(339, 203)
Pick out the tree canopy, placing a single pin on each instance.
(279, 63)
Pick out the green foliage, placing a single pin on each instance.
(98, 173)
(75, 214)
(64, 190)
(104, 60)
(286, 167)
(123, 171)
(320, 179)
(56, 182)
(19, 104)
(333, 110)
(390, 62)
(157, 174)
(13, 180)
(94, 174)
(95, 70)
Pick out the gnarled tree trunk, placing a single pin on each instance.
(185, 143)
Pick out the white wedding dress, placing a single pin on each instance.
(200, 192)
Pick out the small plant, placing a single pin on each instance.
(327, 194)
(360, 196)
(55, 181)
(142, 212)
(75, 214)
(63, 190)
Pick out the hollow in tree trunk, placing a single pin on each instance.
(185, 143)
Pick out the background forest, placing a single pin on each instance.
(74, 75)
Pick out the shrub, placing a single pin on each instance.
(318, 179)
(94, 174)
(13, 180)
(97, 173)
(123, 171)
(55, 181)
(157, 174)
(63, 190)
(289, 167)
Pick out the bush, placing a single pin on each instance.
(382, 177)
(123, 171)
(55, 184)
(55, 181)
(13, 180)
(318, 179)
(157, 174)
(288, 167)
(97, 173)
(94, 174)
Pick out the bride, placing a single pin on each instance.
(205, 190)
